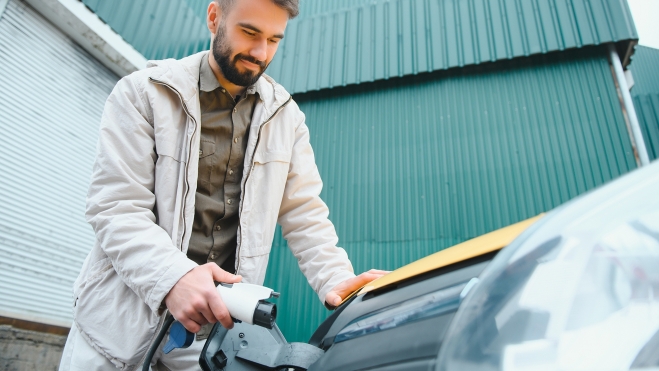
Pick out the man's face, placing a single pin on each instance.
(246, 39)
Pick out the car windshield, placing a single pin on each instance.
(585, 298)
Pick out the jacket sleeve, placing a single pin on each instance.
(304, 219)
(121, 199)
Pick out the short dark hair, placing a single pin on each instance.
(291, 6)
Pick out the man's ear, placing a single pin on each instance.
(213, 16)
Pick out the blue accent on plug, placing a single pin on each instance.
(179, 337)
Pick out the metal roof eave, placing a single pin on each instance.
(92, 34)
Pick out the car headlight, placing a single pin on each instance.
(423, 307)
(580, 292)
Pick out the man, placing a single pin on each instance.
(197, 161)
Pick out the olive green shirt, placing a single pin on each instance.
(224, 132)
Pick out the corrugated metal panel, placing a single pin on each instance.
(396, 38)
(645, 68)
(647, 110)
(158, 29)
(52, 98)
(310, 8)
(383, 39)
(414, 165)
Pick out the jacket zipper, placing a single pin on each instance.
(187, 183)
(256, 146)
(185, 196)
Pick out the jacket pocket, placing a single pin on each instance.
(264, 157)
(263, 196)
(170, 149)
(252, 268)
(113, 318)
(265, 186)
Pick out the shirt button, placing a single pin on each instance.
(230, 172)
(212, 256)
(235, 110)
(217, 227)
(229, 201)
(235, 140)
(223, 91)
(201, 152)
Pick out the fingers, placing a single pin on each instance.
(220, 275)
(332, 298)
(348, 286)
(194, 300)
(220, 311)
(216, 306)
(190, 319)
(378, 272)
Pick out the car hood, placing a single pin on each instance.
(484, 244)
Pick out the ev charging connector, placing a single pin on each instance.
(245, 302)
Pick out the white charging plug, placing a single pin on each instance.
(247, 303)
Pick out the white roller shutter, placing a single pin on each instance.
(52, 94)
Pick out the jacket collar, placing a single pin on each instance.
(183, 75)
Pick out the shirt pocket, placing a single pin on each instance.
(206, 148)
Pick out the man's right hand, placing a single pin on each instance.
(194, 300)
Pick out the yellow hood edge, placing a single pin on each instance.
(484, 244)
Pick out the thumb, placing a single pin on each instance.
(220, 275)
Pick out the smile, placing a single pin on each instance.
(250, 65)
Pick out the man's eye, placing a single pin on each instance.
(273, 41)
(248, 33)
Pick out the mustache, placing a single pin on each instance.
(249, 58)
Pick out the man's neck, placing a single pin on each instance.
(233, 89)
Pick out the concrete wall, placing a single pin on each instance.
(24, 350)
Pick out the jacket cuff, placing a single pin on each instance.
(332, 283)
(171, 276)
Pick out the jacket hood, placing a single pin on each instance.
(183, 75)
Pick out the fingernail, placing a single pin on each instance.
(337, 301)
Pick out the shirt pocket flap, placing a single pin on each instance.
(206, 148)
(263, 157)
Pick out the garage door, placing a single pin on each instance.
(52, 94)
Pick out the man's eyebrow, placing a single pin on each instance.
(250, 27)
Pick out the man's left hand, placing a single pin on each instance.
(345, 288)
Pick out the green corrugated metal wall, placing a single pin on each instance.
(396, 38)
(645, 68)
(414, 165)
(647, 110)
(157, 29)
(378, 40)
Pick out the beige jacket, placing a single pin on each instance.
(141, 204)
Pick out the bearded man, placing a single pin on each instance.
(197, 161)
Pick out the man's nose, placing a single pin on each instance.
(260, 50)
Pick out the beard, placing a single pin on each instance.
(222, 54)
